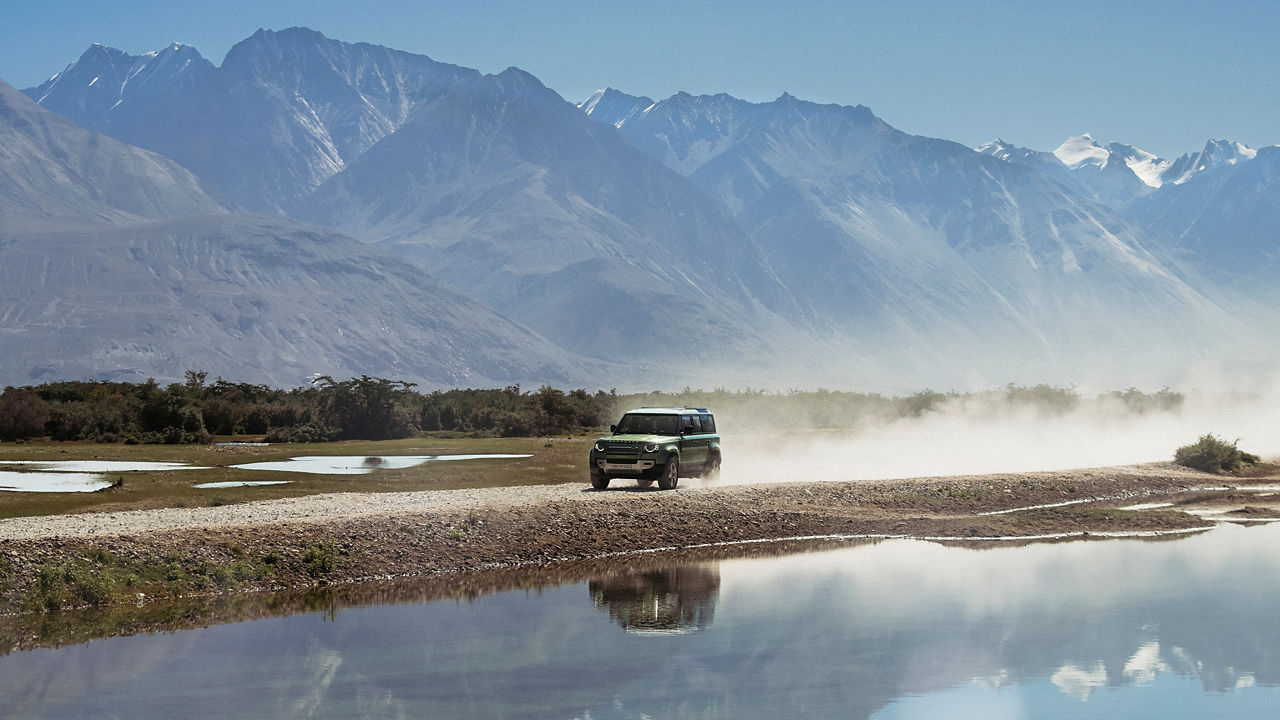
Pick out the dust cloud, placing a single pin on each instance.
(970, 435)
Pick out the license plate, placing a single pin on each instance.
(633, 467)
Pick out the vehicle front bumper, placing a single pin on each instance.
(647, 466)
(624, 467)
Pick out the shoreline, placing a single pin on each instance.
(318, 540)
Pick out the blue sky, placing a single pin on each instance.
(1165, 76)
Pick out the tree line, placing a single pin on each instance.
(372, 408)
(367, 408)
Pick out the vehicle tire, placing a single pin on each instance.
(670, 475)
(644, 482)
(711, 473)
(599, 481)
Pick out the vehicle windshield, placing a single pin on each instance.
(647, 424)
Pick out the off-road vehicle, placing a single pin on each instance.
(662, 444)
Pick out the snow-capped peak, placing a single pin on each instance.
(614, 107)
(1216, 153)
(1147, 166)
(1229, 152)
(1002, 150)
(1081, 150)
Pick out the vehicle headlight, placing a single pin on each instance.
(651, 448)
(600, 447)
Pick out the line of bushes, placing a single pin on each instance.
(365, 408)
(373, 408)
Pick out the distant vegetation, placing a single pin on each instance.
(1214, 455)
(370, 408)
(363, 408)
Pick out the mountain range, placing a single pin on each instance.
(317, 206)
(116, 263)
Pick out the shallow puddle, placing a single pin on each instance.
(360, 464)
(97, 466)
(240, 483)
(51, 482)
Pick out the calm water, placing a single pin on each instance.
(87, 475)
(361, 464)
(63, 476)
(1181, 628)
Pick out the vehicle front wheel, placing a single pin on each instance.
(670, 475)
(599, 481)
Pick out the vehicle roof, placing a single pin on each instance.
(668, 410)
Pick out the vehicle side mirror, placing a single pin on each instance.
(613, 429)
(686, 430)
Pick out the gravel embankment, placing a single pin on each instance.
(345, 507)
(308, 509)
(435, 533)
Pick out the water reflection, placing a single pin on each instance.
(673, 600)
(897, 629)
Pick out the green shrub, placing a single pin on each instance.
(58, 585)
(50, 587)
(1214, 455)
(89, 587)
(319, 559)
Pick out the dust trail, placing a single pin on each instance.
(968, 436)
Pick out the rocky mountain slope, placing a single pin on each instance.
(115, 263)
(1224, 221)
(717, 238)
(53, 170)
(1212, 212)
(504, 188)
(922, 246)
(284, 112)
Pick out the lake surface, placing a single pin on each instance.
(1182, 628)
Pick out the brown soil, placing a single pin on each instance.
(461, 537)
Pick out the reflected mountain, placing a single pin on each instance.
(674, 600)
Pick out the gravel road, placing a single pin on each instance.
(307, 509)
(340, 507)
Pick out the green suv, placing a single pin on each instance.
(662, 444)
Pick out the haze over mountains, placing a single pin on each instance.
(483, 230)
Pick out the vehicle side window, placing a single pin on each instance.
(691, 420)
(708, 424)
